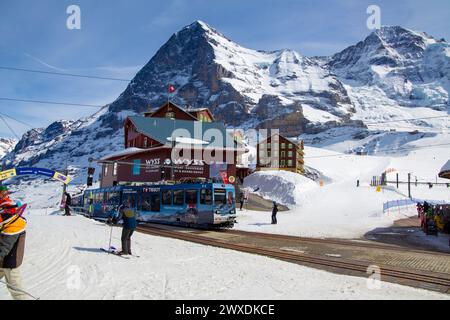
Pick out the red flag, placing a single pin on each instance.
(224, 176)
(171, 88)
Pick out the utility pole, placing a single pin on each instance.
(409, 185)
(397, 180)
(172, 173)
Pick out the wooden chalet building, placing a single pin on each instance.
(149, 142)
(280, 153)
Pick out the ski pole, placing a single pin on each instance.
(18, 289)
(112, 226)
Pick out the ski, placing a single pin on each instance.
(114, 252)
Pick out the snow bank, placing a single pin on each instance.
(285, 187)
(340, 209)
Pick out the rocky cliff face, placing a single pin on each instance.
(6, 145)
(379, 78)
(410, 67)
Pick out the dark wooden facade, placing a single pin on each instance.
(171, 110)
(279, 153)
(154, 165)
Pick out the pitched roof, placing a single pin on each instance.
(173, 105)
(445, 171)
(161, 130)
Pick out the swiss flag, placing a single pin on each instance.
(171, 88)
(224, 176)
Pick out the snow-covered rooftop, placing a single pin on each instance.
(445, 171)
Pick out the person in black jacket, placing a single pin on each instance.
(128, 215)
(67, 204)
(274, 212)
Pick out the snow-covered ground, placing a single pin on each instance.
(340, 209)
(63, 261)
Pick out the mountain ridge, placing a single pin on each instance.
(391, 74)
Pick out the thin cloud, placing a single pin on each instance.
(44, 63)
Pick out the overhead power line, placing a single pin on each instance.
(51, 102)
(63, 74)
(17, 120)
(10, 129)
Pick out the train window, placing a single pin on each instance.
(178, 197)
(220, 197)
(155, 203)
(206, 196)
(129, 200)
(167, 197)
(191, 196)
(146, 203)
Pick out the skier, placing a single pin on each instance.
(12, 244)
(241, 200)
(67, 204)
(274, 212)
(128, 215)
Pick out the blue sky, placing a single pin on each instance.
(118, 37)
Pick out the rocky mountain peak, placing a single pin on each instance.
(6, 145)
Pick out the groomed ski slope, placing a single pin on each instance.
(339, 209)
(63, 261)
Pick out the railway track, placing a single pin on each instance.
(359, 243)
(417, 278)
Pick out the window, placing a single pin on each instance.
(155, 203)
(178, 197)
(146, 203)
(106, 170)
(170, 115)
(191, 196)
(262, 146)
(282, 163)
(220, 197)
(283, 145)
(283, 154)
(206, 196)
(167, 197)
(262, 154)
(290, 145)
(289, 163)
(290, 154)
(112, 198)
(115, 169)
(145, 142)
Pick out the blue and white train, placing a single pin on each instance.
(188, 204)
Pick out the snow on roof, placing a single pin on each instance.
(185, 140)
(123, 153)
(445, 169)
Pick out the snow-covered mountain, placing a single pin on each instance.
(394, 73)
(6, 145)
